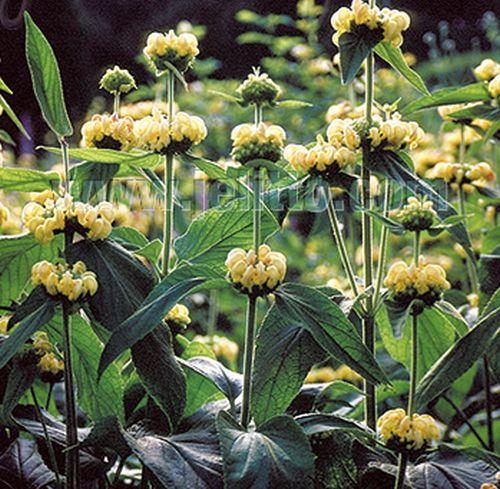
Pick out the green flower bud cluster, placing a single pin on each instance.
(117, 80)
(259, 89)
(417, 215)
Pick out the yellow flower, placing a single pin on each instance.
(404, 434)
(4, 215)
(50, 364)
(425, 159)
(320, 158)
(142, 109)
(4, 323)
(41, 343)
(342, 133)
(394, 134)
(164, 48)
(344, 110)
(425, 282)
(494, 86)
(320, 375)
(256, 274)
(109, 131)
(468, 176)
(179, 314)
(72, 281)
(157, 133)
(487, 70)
(222, 347)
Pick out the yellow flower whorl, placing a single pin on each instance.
(468, 176)
(344, 110)
(343, 133)
(71, 281)
(391, 23)
(256, 273)
(328, 374)
(4, 214)
(178, 50)
(179, 314)
(394, 134)
(251, 142)
(320, 158)
(405, 434)
(109, 132)
(425, 282)
(48, 214)
(494, 87)
(487, 70)
(157, 133)
(144, 108)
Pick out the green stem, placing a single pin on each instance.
(116, 103)
(257, 209)
(464, 418)
(50, 446)
(384, 234)
(413, 363)
(169, 178)
(488, 403)
(248, 361)
(65, 158)
(400, 478)
(340, 242)
(49, 396)
(416, 247)
(72, 452)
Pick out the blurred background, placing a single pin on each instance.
(90, 35)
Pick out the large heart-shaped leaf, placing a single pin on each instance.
(354, 47)
(459, 358)
(477, 92)
(187, 460)
(325, 321)
(276, 455)
(231, 226)
(22, 466)
(46, 79)
(394, 56)
(285, 352)
(18, 254)
(27, 180)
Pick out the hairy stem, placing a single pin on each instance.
(65, 158)
(384, 234)
(248, 361)
(400, 478)
(72, 452)
(116, 103)
(169, 178)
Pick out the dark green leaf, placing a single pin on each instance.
(18, 254)
(394, 56)
(477, 92)
(6, 138)
(458, 359)
(313, 424)
(21, 378)
(354, 47)
(88, 178)
(187, 460)
(27, 180)
(26, 327)
(277, 455)
(325, 321)
(23, 467)
(147, 317)
(488, 275)
(393, 226)
(285, 352)
(481, 111)
(46, 79)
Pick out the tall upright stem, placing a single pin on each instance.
(248, 361)
(340, 242)
(72, 452)
(65, 158)
(400, 478)
(116, 103)
(169, 179)
(383, 243)
(366, 226)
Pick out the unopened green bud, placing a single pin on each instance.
(116, 80)
(259, 89)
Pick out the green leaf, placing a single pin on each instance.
(4, 87)
(489, 278)
(394, 56)
(123, 280)
(6, 138)
(18, 254)
(354, 47)
(314, 424)
(138, 159)
(458, 359)
(26, 327)
(12, 116)
(477, 92)
(98, 399)
(310, 309)
(276, 455)
(88, 178)
(27, 180)
(188, 460)
(46, 79)
(226, 96)
(147, 317)
(293, 104)
(435, 335)
(21, 378)
(284, 354)
(393, 226)
(231, 226)
(160, 373)
(392, 165)
(481, 111)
